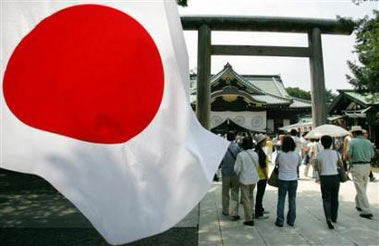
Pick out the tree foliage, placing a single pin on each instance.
(365, 74)
(299, 93)
(182, 3)
(359, 2)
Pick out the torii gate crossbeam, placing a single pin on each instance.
(313, 27)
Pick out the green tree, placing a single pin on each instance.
(365, 74)
(182, 3)
(299, 93)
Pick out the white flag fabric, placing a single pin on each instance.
(94, 99)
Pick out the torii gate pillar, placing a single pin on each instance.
(319, 107)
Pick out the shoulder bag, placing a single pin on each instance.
(341, 170)
(274, 177)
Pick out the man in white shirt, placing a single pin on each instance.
(297, 141)
(246, 169)
(299, 146)
(315, 149)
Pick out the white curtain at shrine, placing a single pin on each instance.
(253, 121)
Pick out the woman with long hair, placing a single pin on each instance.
(262, 170)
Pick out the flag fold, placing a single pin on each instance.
(131, 188)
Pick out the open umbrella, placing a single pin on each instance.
(331, 130)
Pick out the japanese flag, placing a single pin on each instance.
(94, 99)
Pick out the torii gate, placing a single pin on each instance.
(313, 27)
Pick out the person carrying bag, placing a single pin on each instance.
(331, 172)
(246, 170)
(230, 183)
(274, 177)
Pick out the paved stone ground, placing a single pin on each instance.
(310, 226)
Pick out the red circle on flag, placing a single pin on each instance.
(88, 72)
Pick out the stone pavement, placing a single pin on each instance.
(310, 227)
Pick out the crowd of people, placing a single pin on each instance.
(246, 166)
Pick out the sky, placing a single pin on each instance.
(295, 72)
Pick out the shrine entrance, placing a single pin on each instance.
(314, 28)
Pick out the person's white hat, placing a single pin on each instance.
(260, 137)
(356, 128)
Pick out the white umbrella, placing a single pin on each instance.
(331, 130)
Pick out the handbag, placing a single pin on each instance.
(342, 174)
(274, 177)
(341, 171)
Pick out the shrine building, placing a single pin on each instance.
(257, 103)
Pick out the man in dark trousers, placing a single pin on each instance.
(229, 178)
